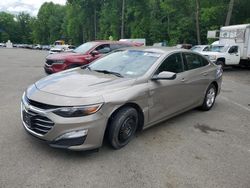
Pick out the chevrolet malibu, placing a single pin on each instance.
(115, 96)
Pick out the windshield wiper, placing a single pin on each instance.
(109, 72)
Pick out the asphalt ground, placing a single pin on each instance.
(194, 150)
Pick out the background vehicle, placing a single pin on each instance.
(46, 47)
(37, 47)
(223, 54)
(2, 45)
(200, 48)
(58, 49)
(59, 42)
(125, 91)
(184, 46)
(138, 42)
(235, 42)
(82, 55)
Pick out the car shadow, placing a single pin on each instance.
(65, 154)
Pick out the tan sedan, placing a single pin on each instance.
(125, 91)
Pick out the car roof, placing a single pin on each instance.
(162, 50)
(200, 45)
(112, 42)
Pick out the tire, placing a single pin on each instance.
(209, 99)
(122, 127)
(221, 63)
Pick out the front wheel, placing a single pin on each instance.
(223, 64)
(122, 127)
(209, 99)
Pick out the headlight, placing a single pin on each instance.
(212, 57)
(58, 62)
(77, 111)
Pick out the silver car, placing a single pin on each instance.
(117, 95)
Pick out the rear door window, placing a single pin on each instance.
(193, 61)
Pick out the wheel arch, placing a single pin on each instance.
(132, 105)
(216, 86)
(221, 59)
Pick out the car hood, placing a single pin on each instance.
(63, 55)
(82, 83)
(211, 53)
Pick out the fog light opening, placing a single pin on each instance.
(73, 134)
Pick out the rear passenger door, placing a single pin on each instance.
(196, 76)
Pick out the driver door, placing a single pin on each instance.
(168, 96)
(234, 56)
(102, 50)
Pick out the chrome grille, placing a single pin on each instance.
(36, 122)
(49, 62)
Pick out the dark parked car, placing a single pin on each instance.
(82, 55)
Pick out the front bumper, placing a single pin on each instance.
(54, 68)
(83, 133)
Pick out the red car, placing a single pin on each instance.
(82, 55)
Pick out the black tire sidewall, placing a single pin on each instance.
(116, 124)
(221, 63)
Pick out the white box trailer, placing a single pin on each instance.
(237, 35)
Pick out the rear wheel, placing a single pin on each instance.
(122, 127)
(209, 99)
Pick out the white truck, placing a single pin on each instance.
(233, 47)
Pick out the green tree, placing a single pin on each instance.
(7, 27)
(48, 25)
(24, 27)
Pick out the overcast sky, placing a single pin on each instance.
(28, 6)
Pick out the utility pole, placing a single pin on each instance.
(229, 13)
(198, 21)
(123, 19)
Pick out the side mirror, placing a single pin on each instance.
(165, 75)
(94, 53)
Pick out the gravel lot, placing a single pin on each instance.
(194, 150)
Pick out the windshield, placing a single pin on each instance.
(218, 48)
(129, 63)
(197, 49)
(85, 47)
